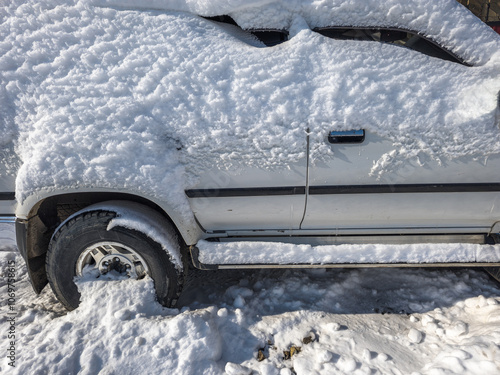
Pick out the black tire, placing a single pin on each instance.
(87, 229)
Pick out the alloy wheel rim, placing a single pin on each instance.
(112, 256)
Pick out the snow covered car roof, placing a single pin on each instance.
(445, 22)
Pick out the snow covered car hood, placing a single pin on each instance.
(119, 98)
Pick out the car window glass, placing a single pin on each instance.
(393, 36)
(270, 37)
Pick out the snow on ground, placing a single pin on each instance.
(361, 321)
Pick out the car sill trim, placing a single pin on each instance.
(7, 219)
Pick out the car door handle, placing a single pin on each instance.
(347, 136)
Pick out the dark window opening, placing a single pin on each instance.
(402, 38)
(270, 37)
(495, 25)
(223, 19)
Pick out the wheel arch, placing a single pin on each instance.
(40, 216)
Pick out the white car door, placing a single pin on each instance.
(250, 198)
(460, 196)
(407, 161)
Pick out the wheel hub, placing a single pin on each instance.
(111, 256)
(116, 262)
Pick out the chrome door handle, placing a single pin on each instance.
(347, 136)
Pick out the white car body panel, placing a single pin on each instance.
(241, 200)
(437, 209)
(7, 184)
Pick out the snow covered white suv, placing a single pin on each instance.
(291, 134)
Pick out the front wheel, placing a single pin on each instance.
(83, 244)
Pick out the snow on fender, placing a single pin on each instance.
(138, 217)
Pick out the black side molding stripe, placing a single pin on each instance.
(409, 188)
(344, 189)
(10, 196)
(245, 192)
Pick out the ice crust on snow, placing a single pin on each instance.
(144, 100)
(256, 252)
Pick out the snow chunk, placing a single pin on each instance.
(323, 356)
(383, 357)
(427, 319)
(235, 369)
(346, 364)
(222, 313)
(140, 340)
(415, 336)
(239, 302)
(457, 329)
(333, 327)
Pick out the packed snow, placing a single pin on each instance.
(146, 100)
(283, 322)
(255, 252)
